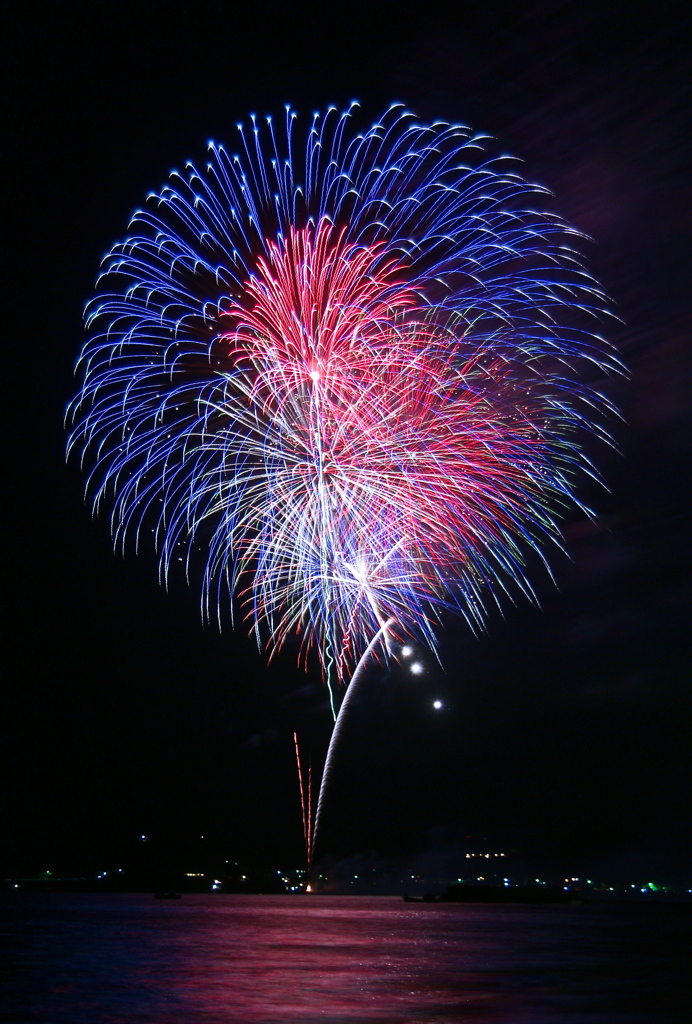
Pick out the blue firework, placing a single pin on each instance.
(351, 368)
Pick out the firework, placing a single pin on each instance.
(352, 369)
(305, 786)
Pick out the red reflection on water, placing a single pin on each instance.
(346, 960)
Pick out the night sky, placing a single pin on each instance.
(566, 732)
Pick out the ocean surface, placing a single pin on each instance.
(114, 959)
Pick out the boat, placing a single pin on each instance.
(539, 894)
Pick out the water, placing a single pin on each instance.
(116, 959)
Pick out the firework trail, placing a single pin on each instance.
(380, 637)
(305, 787)
(352, 368)
(303, 808)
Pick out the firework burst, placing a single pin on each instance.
(353, 368)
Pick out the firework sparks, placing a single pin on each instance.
(354, 374)
(352, 371)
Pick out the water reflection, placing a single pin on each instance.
(214, 959)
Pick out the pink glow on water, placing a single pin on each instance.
(88, 959)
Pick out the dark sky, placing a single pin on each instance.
(567, 730)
